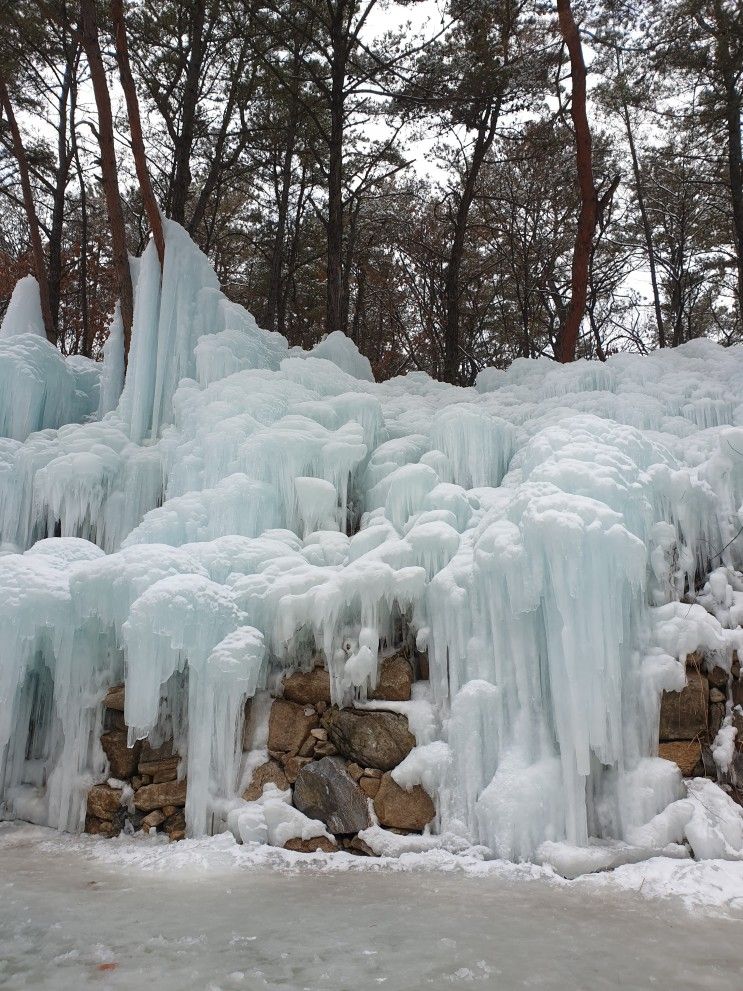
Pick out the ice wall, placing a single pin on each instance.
(535, 534)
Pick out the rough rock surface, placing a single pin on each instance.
(308, 687)
(114, 698)
(122, 760)
(321, 843)
(683, 715)
(397, 808)
(104, 802)
(155, 796)
(395, 680)
(685, 753)
(324, 790)
(269, 773)
(289, 725)
(368, 737)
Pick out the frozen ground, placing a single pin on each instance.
(207, 914)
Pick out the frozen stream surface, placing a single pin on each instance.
(73, 917)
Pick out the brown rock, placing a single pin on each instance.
(715, 695)
(104, 802)
(308, 687)
(400, 809)
(137, 782)
(153, 820)
(319, 734)
(369, 737)
(169, 810)
(372, 772)
(308, 747)
(293, 766)
(324, 790)
(109, 829)
(321, 843)
(114, 720)
(738, 724)
(683, 715)
(325, 750)
(151, 797)
(395, 680)
(737, 692)
(685, 754)
(289, 725)
(115, 698)
(161, 770)
(718, 678)
(370, 786)
(321, 707)
(356, 845)
(355, 771)
(269, 773)
(122, 760)
(175, 826)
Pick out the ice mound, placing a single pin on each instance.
(243, 504)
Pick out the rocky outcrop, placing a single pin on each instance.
(325, 790)
(371, 738)
(397, 808)
(685, 753)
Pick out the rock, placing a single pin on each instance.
(122, 760)
(159, 763)
(319, 734)
(321, 843)
(394, 681)
(169, 810)
(324, 790)
(153, 820)
(737, 692)
(175, 826)
(325, 750)
(738, 724)
(372, 772)
(137, 782)
(151, 797)
(368, 737)
(716, 717)
(370, 786)
(685, 754)
(421, 658)
(269, 773)
(114, 720)
(308, 687)
(308, 747)
(293, 766)
(104, 802)
(114, 698)
(400, 809)
(683, 715)
(718, 678)
(356, 845)
(289, 725)
(101, 827)
(355, 771)
(321, 707)
(715, 695)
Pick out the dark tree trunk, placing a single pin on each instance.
(334, 307)
(89, 37)
(37, 246)
(184, 146)
(588, 216)
(135, 127)
(58, 205)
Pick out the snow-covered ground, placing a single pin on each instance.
(209, 914)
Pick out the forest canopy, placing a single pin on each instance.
(423, 176)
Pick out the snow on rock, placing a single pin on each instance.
(240, 506)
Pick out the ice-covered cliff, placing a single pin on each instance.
(246, 504)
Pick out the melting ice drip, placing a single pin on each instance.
(243, 503)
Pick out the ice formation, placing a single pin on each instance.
(240, 505)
